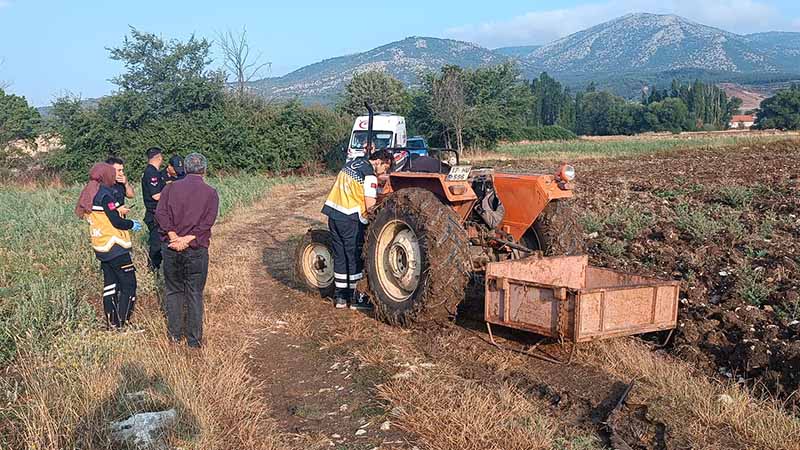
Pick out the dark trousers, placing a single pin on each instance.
(153, 241)
(119, 290)
(185, 276)
(348, 266)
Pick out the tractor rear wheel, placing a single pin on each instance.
(416, 256)
(556, 231)
(313, 267)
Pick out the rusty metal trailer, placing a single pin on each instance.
(564, 297)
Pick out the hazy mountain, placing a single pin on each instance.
(626, 53)
(406, 60)
(778, 46)
(517, 52)
(655, 43)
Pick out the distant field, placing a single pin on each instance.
(629, 145)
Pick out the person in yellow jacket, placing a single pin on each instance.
(352, 195)
(109, 232)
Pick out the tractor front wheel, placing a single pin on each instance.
(416, 256)
(313, 265)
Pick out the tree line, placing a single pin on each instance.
(781, 111)
(169, 97)
(478, 108)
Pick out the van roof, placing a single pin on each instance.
(383, 114)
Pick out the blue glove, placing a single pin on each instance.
(137, 226)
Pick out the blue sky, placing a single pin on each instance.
(51, 47)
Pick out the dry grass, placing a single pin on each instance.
(697, 410)
(448, 412)
(73, 393)
(430, 400)
(293, 323)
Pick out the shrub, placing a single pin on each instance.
(735, 196)
(767, 226)
(234, 136)
(544, 133)
(751, 285)
(697, 223)
(631, 221)
(593, 222)
(18, 120)
(612, 247)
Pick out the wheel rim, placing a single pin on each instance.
(318, 265)
(399, 260)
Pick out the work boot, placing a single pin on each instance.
(340, 302)
(360, 301)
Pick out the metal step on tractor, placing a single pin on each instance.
(432, 232)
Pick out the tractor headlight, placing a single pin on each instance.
(567, 172)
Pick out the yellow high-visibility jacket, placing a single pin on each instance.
(355, 182)
(107, 240)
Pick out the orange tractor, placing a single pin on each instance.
(426, 236)
(432, 232)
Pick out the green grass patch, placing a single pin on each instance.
(766, 229)
(738, 197)
(752, 286)
(625, 147)
(593, 222)
(629, 222)
(49, 275)
(696, 222)
(612, 247)
(677, 192)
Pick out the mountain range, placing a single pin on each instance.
(625, 53)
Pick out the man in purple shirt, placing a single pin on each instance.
(186, 212)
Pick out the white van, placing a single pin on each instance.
(389, 131)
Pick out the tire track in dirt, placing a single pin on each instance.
(317, 390)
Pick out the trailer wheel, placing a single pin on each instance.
(416, 256)
(313, 265)
(556, 231)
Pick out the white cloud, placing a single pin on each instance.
(4, 3)
(534, 27)
(540, 27)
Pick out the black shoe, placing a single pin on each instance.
(340, 303)
(361, 301)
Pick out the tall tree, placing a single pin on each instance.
(18, 120)
(165, 77)
(448, 103)
(238, 61)
(381, 90)
(781, 111)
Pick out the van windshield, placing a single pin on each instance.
(381, 139)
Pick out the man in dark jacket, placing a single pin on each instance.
(186, 212)
(152, 184)
(174, 170)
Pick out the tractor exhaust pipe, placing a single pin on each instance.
(369, 129)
